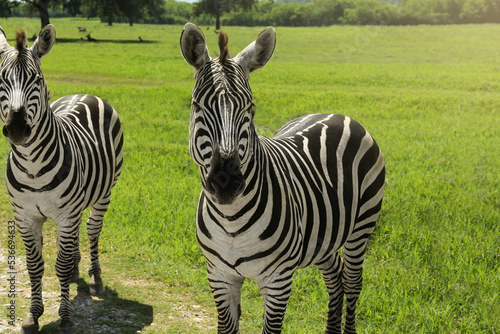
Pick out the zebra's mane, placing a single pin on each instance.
(223, 48)
(21, 40)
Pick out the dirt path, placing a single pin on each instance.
(130, 304)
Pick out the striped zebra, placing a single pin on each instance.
(272, 205)
(64, 158)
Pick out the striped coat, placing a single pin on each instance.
(64, 158)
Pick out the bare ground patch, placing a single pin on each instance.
(129, 304)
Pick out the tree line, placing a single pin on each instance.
(264, 12)
(365, 12)
(107, 10)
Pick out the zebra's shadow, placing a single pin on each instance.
(107, 314)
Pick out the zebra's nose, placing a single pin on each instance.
(16, 127)
(225, 180)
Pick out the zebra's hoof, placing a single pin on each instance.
(67, 327)
(76, 275)
(29, 325)
(96, 286)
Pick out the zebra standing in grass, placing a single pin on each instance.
(64, 158)
(272, 205)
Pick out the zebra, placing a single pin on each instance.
(271, 205)
(64, 158)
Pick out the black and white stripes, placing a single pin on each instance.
(272, 205)
(64, 158)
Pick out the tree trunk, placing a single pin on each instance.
(217, 22)
(43, 9)
(110, 20)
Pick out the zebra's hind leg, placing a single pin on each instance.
(226, 290)
(68, 232)
(332, 268)
(31, 233)
(94, 227)
(352, 279)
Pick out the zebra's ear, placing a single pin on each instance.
(44, 42)
(4, 45)
(194, 46)
(257, 54)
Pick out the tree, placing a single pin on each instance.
(217, 7)
(73, 7)
(373, 12)
(43, 8)
(108, 10)
(324, 12)
(134, 10)
(481, 11)
(90, 8)
(6, 7)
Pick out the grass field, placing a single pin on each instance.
(430, 95)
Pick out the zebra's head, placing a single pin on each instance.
(222, 134)
(23, 92)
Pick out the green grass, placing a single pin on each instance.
(429, 96)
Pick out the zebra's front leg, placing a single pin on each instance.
(94, 228)
(332, 268)
(226, 290)
(31, 233)
(67, 236)
(276, 294)
(76, 261)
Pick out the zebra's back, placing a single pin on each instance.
(94, 127)
(336, 173)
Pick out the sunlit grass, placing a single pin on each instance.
(429, 96)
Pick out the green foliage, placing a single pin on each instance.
(276, 13)
(175, 12)
(367, 12)
(108, 10)
(326, 12)
(429, 96)
(6, 7)
(217, 8)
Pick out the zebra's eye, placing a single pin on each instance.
(251, 109)
(195, 104)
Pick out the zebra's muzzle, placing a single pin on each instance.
(16, 127)
(225, 180)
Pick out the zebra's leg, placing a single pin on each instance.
(67, 235)
(31, 233)
(352, 279)
(94, 227)
(76, 261)
(276, 294)
(332, 268)
(226, 290)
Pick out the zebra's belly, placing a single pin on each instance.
(49, 204)
(46, 196)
